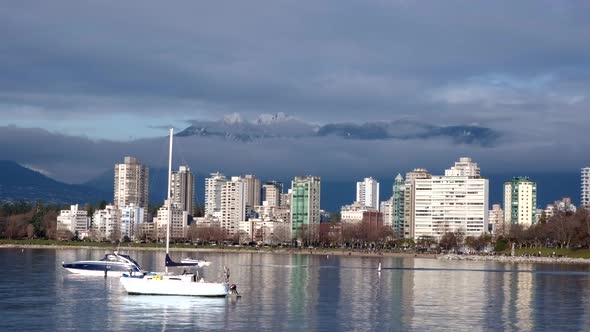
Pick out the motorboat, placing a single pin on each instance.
(187, 283)
(197, 262)
(113, 265)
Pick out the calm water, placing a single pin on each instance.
(299, 293)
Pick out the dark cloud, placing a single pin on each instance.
(345, 59)
(75, 159)
(520, 69)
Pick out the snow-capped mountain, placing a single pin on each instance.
(281, 125)
(233, 127)
(405, 129)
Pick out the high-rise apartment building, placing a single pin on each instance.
(450, 203)
(408, 201)
(520, 202)
(131, 183)
(397, 212)
(233, 205)
(182, 189)
(585, 199)
(464, 167)
(252, 191)
(386, 210)
(367, 193)
(305, 203)
(272, 192)
(213, 185)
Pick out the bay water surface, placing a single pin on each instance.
(282, 292)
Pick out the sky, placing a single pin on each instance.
(85, 83)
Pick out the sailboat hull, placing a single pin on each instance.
(176, 286)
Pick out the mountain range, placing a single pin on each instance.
(19, 183)
(234, 128)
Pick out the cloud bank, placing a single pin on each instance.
(373, 87)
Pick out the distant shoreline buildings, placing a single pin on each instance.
(422, 206)
(427, 206)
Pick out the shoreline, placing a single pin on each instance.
(515, 259)
(314, 252)
(323, 252)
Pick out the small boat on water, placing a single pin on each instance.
(112, 265)
(196, 262)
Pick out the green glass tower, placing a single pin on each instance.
(305, 203)
(398, 205)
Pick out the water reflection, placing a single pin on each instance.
(173, 312)
(300, 292)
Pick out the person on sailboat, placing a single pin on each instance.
(226, 274)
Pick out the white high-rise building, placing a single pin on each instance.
(213, 185)
(233, 205)
(408, 191)
(520, 202)
(464, 167)
(132, 218)
(74, 220)
(387, 210)
(182, 189)
(131, 183)
(108, 222)
(178, 225)
(450, 203)
(585, 199)
(367, 193)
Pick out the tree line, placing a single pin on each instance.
(565, 229)
(21, 220)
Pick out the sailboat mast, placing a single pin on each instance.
(169, 207)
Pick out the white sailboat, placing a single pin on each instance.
(189, 284)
